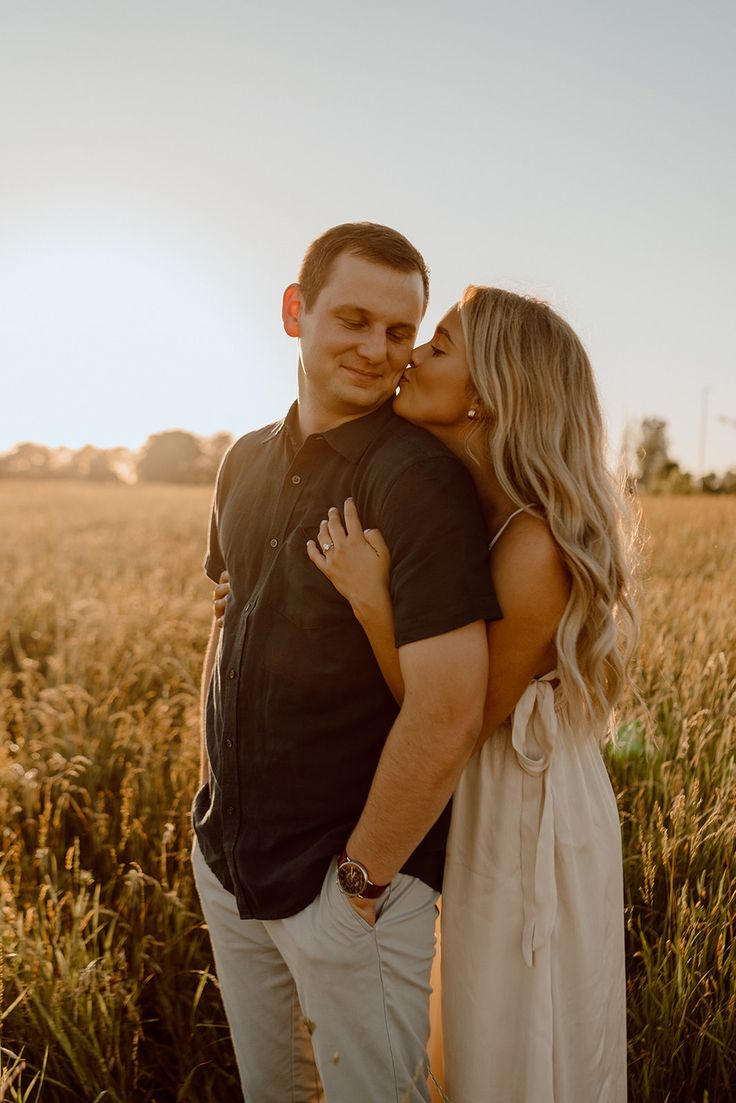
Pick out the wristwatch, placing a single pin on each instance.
(353, 879)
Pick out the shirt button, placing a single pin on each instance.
(274, 543)
(296, 479)
(228, 742)
(230, 810)
(231, 673)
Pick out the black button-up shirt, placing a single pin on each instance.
(297, 711)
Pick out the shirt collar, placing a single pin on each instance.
(288, 425)
(349, 439)
(353, 437)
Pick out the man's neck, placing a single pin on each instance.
(314, 419)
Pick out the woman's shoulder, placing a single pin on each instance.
(527, 532)
(527, 563)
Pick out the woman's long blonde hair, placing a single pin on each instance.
(542, 420)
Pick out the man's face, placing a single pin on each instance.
(356, 339)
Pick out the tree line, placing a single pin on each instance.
(173, 456)
(176, 456)
(655, 472)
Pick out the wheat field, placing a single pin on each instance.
(106, 988)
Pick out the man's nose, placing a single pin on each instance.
(372, 346)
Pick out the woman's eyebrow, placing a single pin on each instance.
(445, 333)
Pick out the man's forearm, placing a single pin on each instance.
(209, 662)
(416, 776)
(434, 735)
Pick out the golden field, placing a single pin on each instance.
(106, 990)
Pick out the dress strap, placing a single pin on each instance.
(506, 522)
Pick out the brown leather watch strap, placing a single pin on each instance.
(371, 891)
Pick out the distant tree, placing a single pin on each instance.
(728, 483)
(215, 448)
(652, 452)
(675, 481)
(711, 484)
(174, 456)
(204, 469)
(658, 473)
(92, 464)
(171, 457)
(123, 462)
(28, 461)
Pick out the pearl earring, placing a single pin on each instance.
(472, 413)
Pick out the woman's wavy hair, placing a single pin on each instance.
(541, 417)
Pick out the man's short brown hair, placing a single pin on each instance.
(374, 242)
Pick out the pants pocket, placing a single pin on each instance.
(340, 904)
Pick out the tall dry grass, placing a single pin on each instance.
(105, 968)
(674, 770)
(106, 990)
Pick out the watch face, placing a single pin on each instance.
(352, 878)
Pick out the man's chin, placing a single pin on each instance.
(352, 405)
(368, 398)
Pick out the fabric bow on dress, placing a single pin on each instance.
(533, 738)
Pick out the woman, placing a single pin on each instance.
(533, 982)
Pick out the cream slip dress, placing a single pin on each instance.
(533, 972)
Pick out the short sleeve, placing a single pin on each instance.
(440, 577)
(214, 563)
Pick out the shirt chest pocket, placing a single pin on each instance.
(312, 643)
(299, 592)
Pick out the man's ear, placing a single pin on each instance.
(291, 309)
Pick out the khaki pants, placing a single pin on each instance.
(322, 1006)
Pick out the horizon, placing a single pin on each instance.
(616, 455)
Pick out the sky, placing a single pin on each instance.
(164, 164)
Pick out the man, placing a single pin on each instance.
(323, 960)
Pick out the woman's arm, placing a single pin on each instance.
(533, 585)
(357, 564)
(530, 579)
(521, 646)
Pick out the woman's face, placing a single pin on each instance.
(435, 388)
